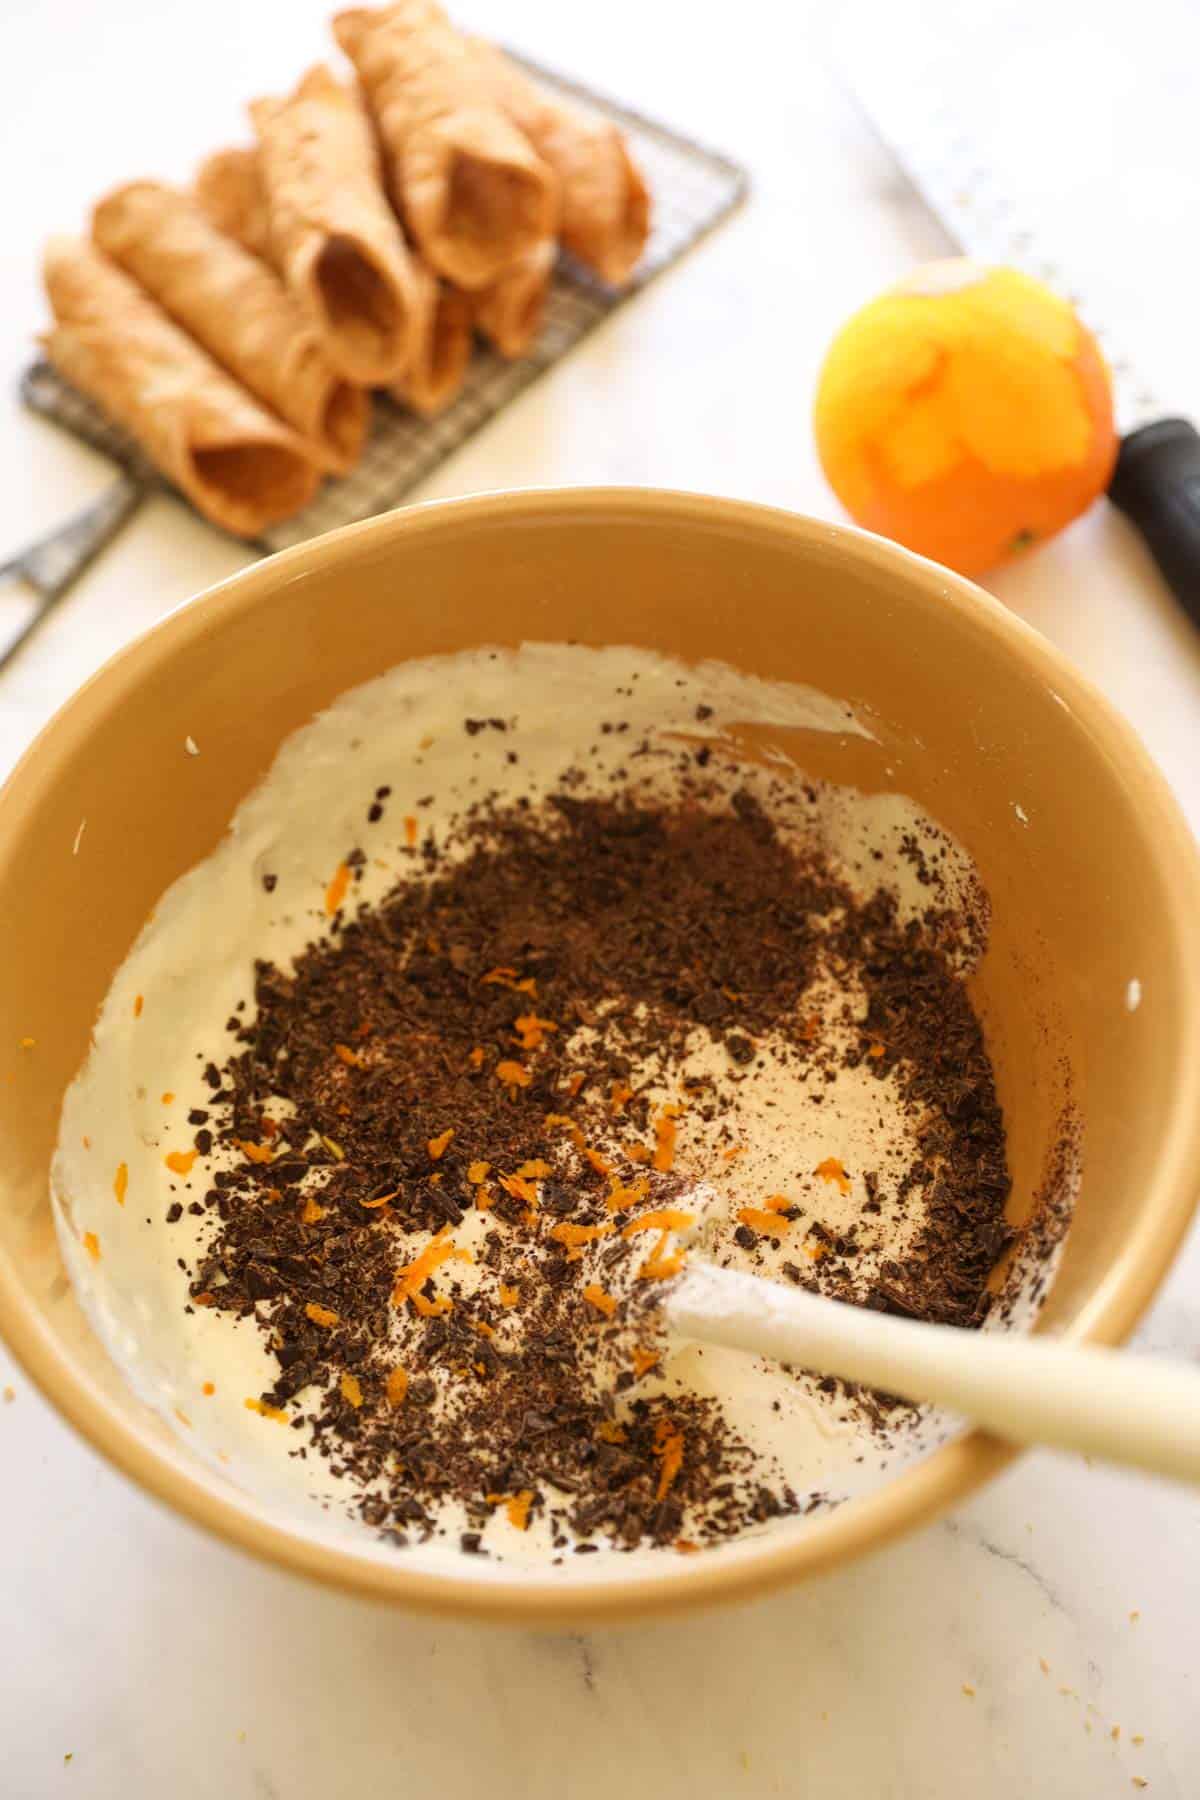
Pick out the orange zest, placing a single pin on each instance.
(321, 1315)
(397, 1386)
(831, 1170)
(138, 1005)
(518, 1509)
(513, 1074)
(571, 1235)
(509, 1295)
(91, 1244)
(350, 1390)
(483, 1198)
(311, 1212)
(610, 1432)
(638, 1153)
(208, 1389)
(508, 978)
(659, 1267)
(438, 1146)
(410, 830)
(667, 1218)
(568, 1124)
(256, 1153)
(643, 1360)
(350, 1057)
(600, 1163)
(516, 1506)
(266, 1411)
(476, 1057)
(535, 1170)
(335, 893)
(603, 1302)
(664, 1138)
(668, 1444)
(378, 1201)
(167, 1098)
(760, 1220)
(620, 1199)
(180, 1161)
(121, 1183)
(530, 1030)
(621, 1094)
(413, 1276)
(477, 1172)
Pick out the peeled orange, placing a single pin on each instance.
(967, 413)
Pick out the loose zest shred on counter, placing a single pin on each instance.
(180, 1161)
(350, 1390)
(410, 830)
(397, 1386)
(508, 978)
(121, 1183)
(335, 893)
(167, 1098)
(321, 1315)
(643, 1360)
(91, 1244)
(477, 1172)
(138, 1004)
(438, 1146)
(208, 1389)
(508, 1295)
(831, 1170)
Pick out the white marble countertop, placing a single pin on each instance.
(1039, 1642)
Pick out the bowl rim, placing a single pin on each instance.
(922, 1493)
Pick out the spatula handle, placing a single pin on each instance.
(1033, 1390)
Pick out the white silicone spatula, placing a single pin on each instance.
(1031, 1390)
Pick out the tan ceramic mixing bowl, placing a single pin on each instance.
(1092, 873)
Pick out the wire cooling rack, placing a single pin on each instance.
(692, 189)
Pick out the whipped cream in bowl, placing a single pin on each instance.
(521, 977)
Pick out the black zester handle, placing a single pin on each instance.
(1156, 483)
